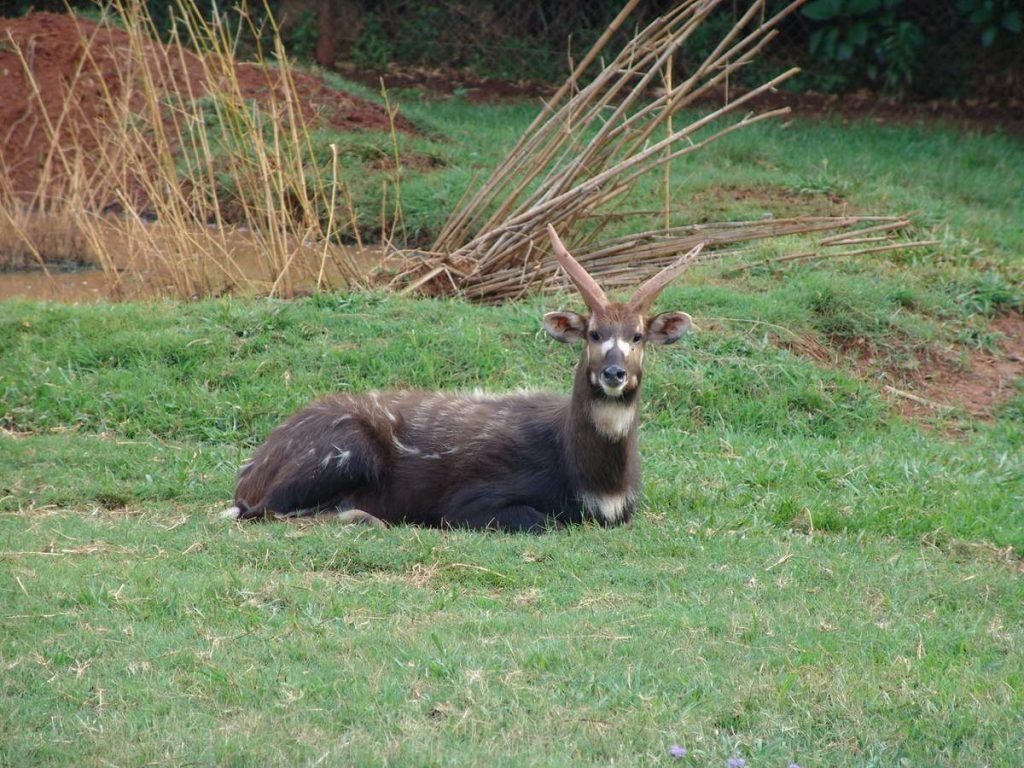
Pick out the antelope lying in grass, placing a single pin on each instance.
(520, 462)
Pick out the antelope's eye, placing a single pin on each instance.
(637, 338)
(595, 336)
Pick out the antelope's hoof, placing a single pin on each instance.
(244, 512)
(359, 517)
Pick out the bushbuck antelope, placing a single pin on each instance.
(517, 462)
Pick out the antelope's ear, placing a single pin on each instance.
(667, 327)
(565, 326)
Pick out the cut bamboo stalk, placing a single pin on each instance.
(935, 406)
(837, 254)
(585, 138)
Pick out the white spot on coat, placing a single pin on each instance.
(610, 506)
(408, 450)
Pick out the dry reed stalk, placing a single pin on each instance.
(667, 177)
(819, 254)
(36, 239)
(397, 217)
(157, 158)
(879, 243)
(590, 145)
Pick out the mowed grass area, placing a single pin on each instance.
(812, 578)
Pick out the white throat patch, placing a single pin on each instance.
(613, 420)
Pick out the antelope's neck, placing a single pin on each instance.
(602, 437)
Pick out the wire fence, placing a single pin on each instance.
(913, 49)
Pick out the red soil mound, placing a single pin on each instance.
(75, 62)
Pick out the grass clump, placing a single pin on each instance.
(810, 578)
(988, 293)
(813, 577)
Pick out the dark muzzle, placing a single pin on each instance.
(614, 376)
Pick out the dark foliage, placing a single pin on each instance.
(916, 49)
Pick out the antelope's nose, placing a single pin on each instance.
(613, 375)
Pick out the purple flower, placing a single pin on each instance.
(676, 751)
(735, 762)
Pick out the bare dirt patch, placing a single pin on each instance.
(975, 381)
(972, 114)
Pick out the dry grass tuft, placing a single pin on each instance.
(211, 166)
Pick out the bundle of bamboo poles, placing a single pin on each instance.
(622, 262)
(587, 148)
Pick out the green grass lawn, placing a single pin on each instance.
(811, 578)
